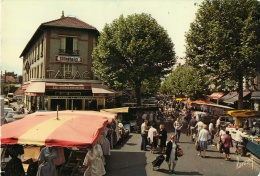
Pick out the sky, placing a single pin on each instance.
(21, 18)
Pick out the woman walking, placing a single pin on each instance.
(171, 153)
(203, 140)
(162, 138)
(227, 141)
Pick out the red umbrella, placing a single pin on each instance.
(68, 129)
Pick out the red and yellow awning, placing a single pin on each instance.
(70, 129)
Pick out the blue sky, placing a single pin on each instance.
(21, 18)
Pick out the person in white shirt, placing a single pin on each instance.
(152, 136)
(199, 126)
(211, 131)
(238, 138)
(218, 126)
(203, 140)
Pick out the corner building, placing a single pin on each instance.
(57, 67)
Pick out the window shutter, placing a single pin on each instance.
(75, 44)
(63, 43)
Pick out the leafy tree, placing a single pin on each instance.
(186, 81)
(224, 40)
(132, 52)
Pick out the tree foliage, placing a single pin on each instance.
(186, 81)
(132, 52)
(224, 40)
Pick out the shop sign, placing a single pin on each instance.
(27, 67)
(69, 59)
(67, 75)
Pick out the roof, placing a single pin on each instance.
(64, 22)
(235, 98)
(70, 22)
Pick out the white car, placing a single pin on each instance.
(11, 114)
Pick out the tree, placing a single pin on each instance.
(131, 52)
(224, 40)
(186, 81)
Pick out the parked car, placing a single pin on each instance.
(10, 116)
(6, 110)
(203, 116)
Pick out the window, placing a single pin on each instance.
(68, 70)
(42, 49)
(69, 45)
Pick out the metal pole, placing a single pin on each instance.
(57, 112)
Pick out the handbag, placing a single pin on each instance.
(179, 152)
(197, 146)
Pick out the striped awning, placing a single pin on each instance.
(62, 128)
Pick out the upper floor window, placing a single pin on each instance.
(69, 45)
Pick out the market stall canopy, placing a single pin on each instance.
(101, 89)
(244, 113)
(216, 95)
(116, 110)
(255, 95)
(62, 128)
(233, 97)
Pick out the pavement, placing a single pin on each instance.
(128, 160)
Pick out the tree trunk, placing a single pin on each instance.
(138, 95)
(240, 93)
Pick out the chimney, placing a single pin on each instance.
(62, 16)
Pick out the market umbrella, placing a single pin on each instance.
(61, 128)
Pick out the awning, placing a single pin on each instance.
(19, 91)
(116, 110)
(62, 128)
(228, 96)
(67, 86)
(35, 89)
(235, 98)
(101, 89)
(216, 95)
(255, 95)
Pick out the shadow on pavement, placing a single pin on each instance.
(126, 164)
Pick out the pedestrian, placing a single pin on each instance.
(162, 138)
(191, 127)
(218, 126)
(227, 141)
(144, 132)
(152, 137)
(14, 167)
(199, 126)
(94, 162)
(238, 138)
(222, 133)
(46, 166)
(178, 127)
(203, 140)
(211, 132)
(171, 153)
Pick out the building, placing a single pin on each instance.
(57, 67)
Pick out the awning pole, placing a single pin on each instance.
(58, 112)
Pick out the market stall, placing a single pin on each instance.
(249, 120)
(72, 130)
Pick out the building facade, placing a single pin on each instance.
(57, 67)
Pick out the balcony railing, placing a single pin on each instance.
(68, 52)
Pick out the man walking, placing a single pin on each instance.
(144, 132)
(178, 127)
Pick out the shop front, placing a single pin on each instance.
(41, 95)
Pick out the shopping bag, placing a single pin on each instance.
(197, 146)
